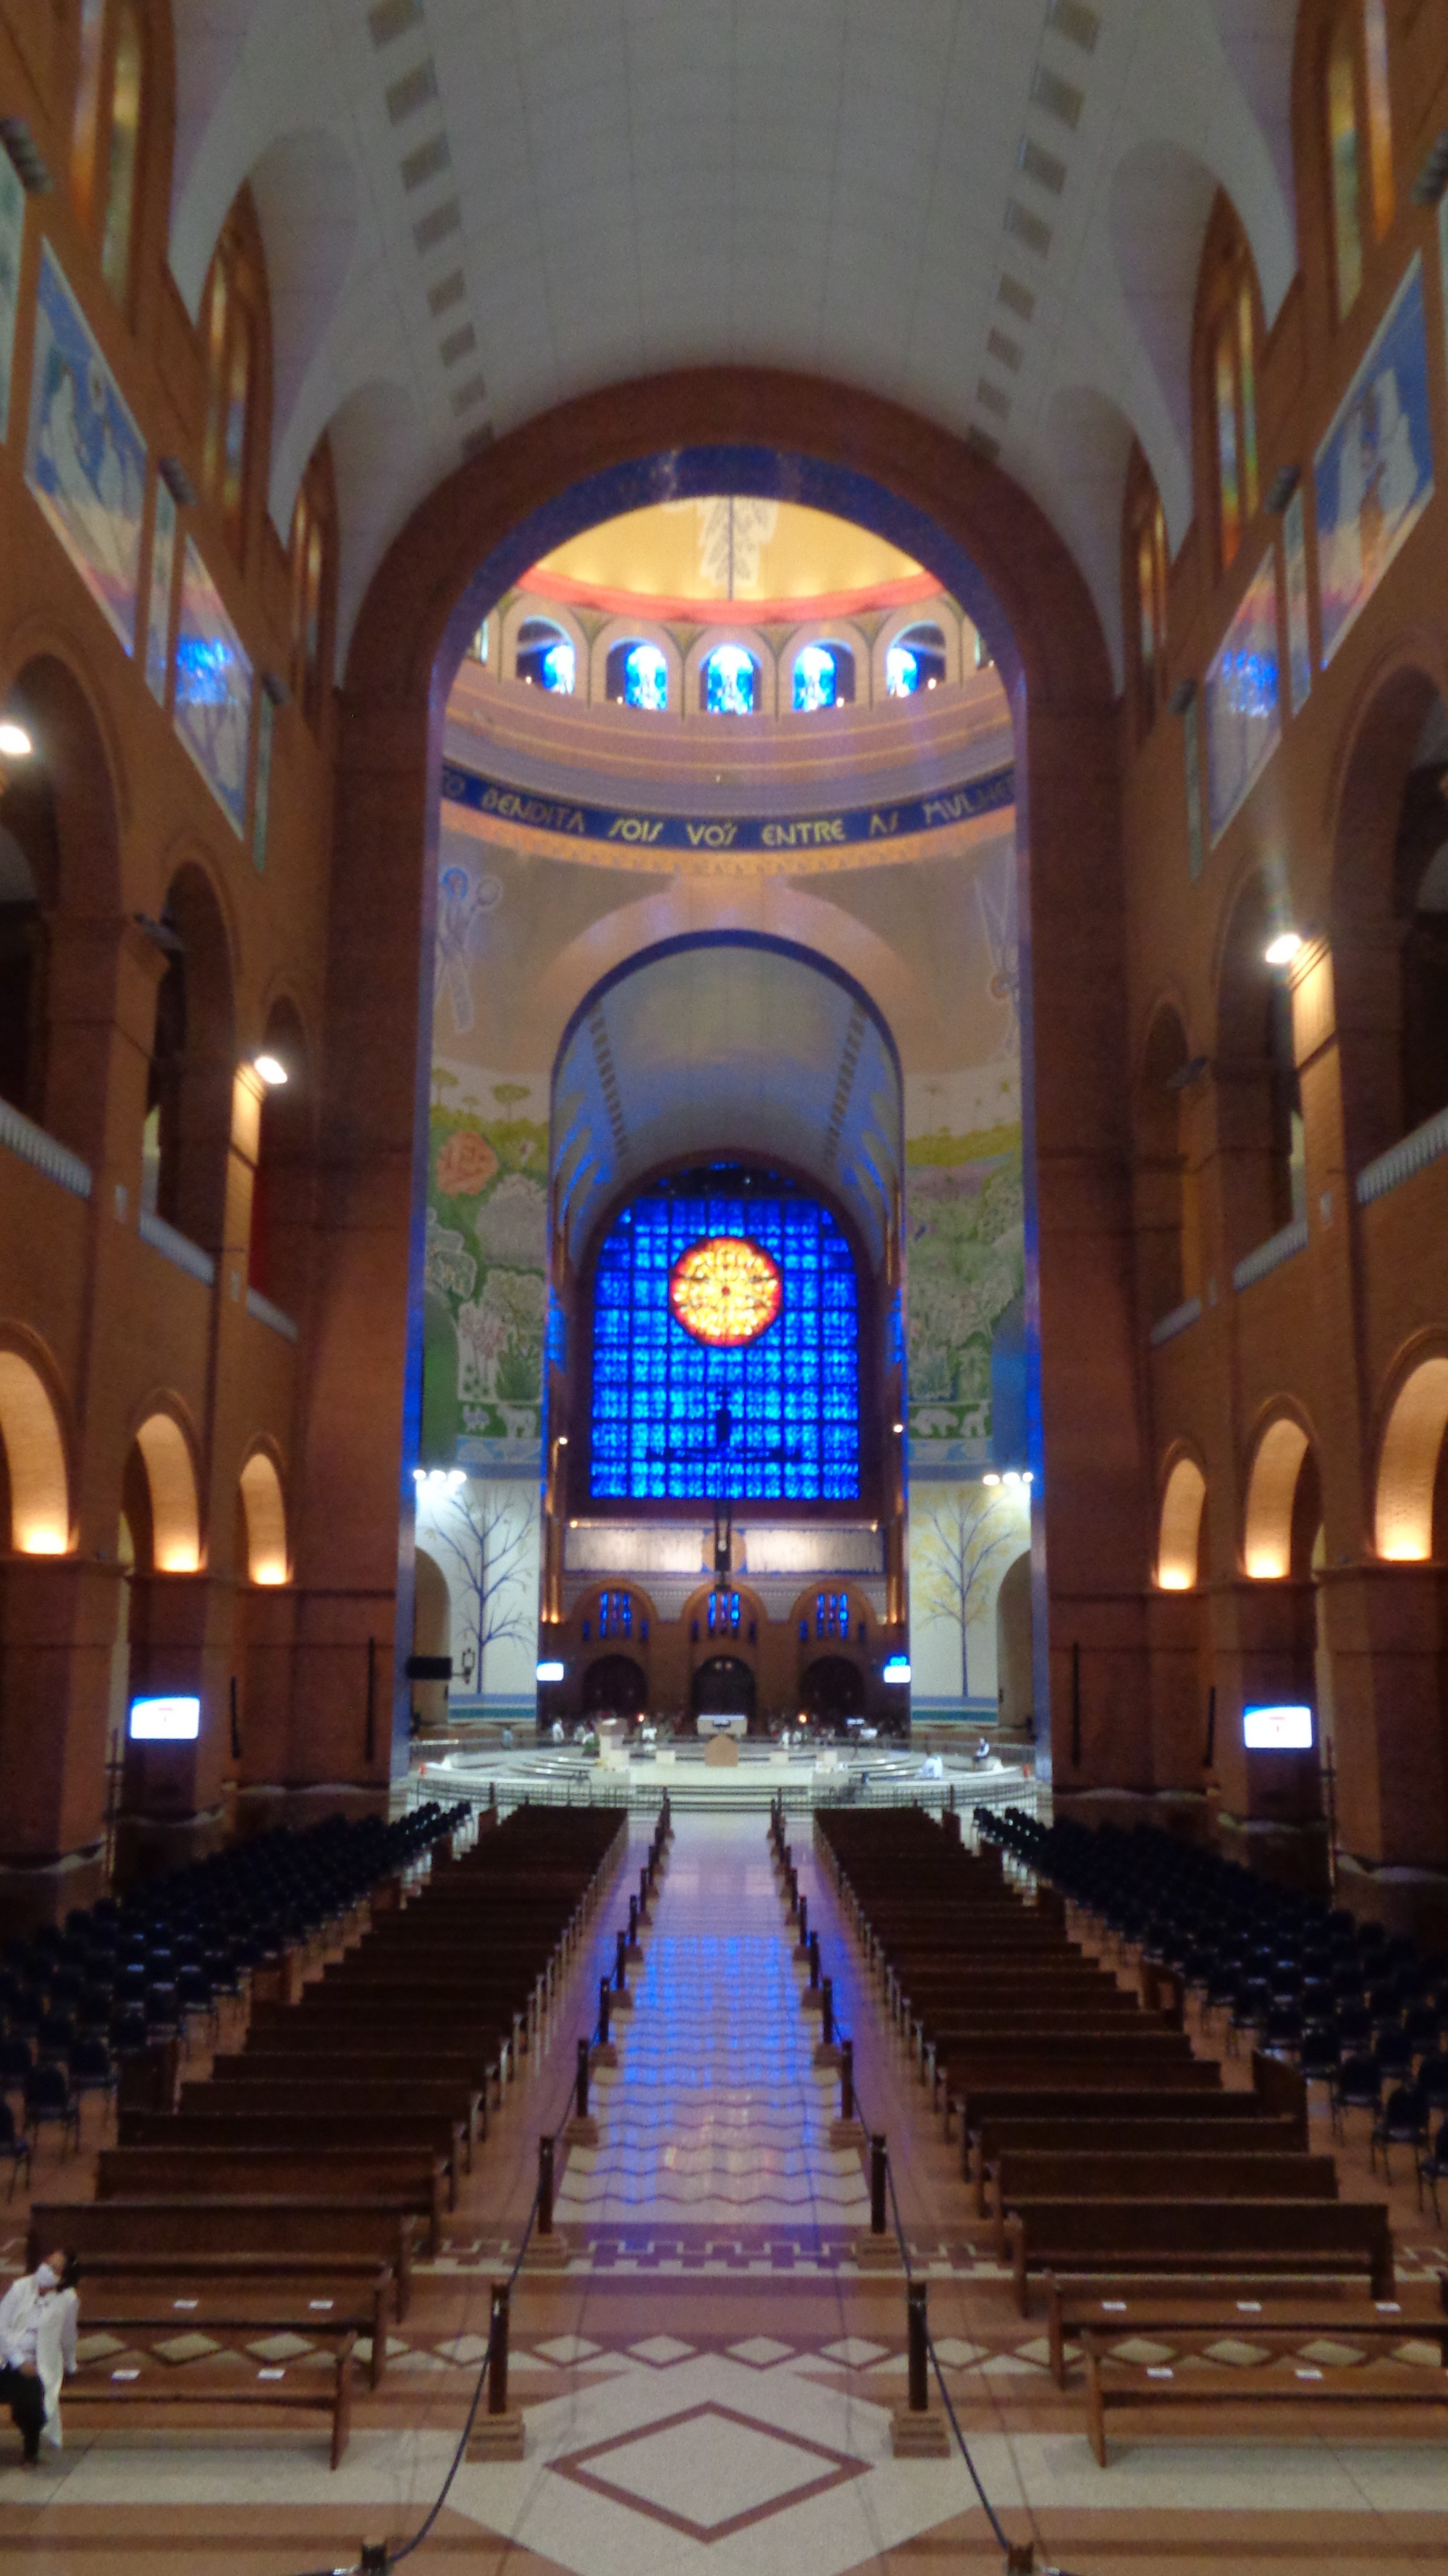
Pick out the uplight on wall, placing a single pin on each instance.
(271, 1070)
(174, 1720)
(1286, 1729)
(15, 742)
(549, 1672)
(1281, 950)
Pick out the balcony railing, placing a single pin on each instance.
(266, 1313)
(1181, 1317)
(48, 1155)
(1278, 1248)
(1410, 1154)
(163, 1238)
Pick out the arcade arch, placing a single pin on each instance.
(1409, 1519)
(1179, 1541)
(171, 1515)
(32, 1461)
(1283, 1509)
(265, 1510)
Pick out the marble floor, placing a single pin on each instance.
(709, 2382)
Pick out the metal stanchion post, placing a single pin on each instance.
(847, 2079)
(545, 2186)
(917, 2360)
(920, 2432)
(498, 2352)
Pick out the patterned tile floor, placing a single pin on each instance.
(709, 2384)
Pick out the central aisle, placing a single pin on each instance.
(715, 2115)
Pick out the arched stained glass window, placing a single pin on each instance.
(545, 657)
(824, 676)
(637, 675)
(729, 679)
(915, 661)
(726, 1346)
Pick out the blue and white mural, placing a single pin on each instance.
(85, 459)
(213, 689)
(1374, 470)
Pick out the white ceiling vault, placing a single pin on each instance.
(733, 1044)
(989, 210)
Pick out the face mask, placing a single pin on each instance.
(45, 2279)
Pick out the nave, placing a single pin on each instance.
(709, 2377)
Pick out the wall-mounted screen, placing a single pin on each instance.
(1277, 1730)
(165, 1721)
(726, 1346)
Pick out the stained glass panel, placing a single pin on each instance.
(677, 1417)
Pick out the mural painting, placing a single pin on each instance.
(486, 1289)
(12, 242)
(1373, 473)
(85, 459)
(213, 689)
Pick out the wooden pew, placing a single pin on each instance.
(215, 2387)
(1181, 2236)
(258, 2090)
(247, 2306)
(412, 2176)
(198, 2128)
(1151, 2307)
(1255, 2133)
(1287, 2379)
(1025, 2177)
(284, 2224)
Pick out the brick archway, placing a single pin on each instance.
(870, 460)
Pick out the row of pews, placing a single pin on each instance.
(286, 2194)
(1111, 2166)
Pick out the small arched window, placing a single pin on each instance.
(108, 133)
(1232, 355)
(1359, 128)
(729, 681)
(1148, 551)
(824, 676)
(637, 675)
(229, 333)
(545, 658)
(915, 661)
(312, 560)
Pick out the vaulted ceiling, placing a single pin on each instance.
(726, 1045)
(990, 210)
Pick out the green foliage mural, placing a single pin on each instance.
(965, 1267)
(486, 1292)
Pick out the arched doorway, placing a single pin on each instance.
(614, 1685)
(431, 1643)
(723, 1686)
(832, 1689)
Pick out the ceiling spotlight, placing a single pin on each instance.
(990, 1477)
(15, 742)
(1281, 950)
(271, 1068)
(897, 1427)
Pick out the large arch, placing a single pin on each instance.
(266, 1519)
(1272, 1534)
(1409, 1462)
(171, 1491)
(759, 430)
(32, 1453)
(1178, 1550)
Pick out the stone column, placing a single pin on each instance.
(1386, 1630)
(58, 1617)
(1269, 1805)
(171, 1802)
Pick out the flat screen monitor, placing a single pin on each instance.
(1277, 1730)
(172, 1720)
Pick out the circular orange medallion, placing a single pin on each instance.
(725, 1290)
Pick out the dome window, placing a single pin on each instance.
(730, 681)
(545, 657)
(915, 661)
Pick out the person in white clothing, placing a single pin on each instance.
(37, 2349)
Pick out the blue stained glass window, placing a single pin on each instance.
(615, 1614)
(824, 676)
(646, 677)
(723, 1614)
(915, 661)
(772, 1418)
(546, 657)
(731, 681)
(832, 1614)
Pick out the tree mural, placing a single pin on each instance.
(484, 1541)
(963, 1540)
